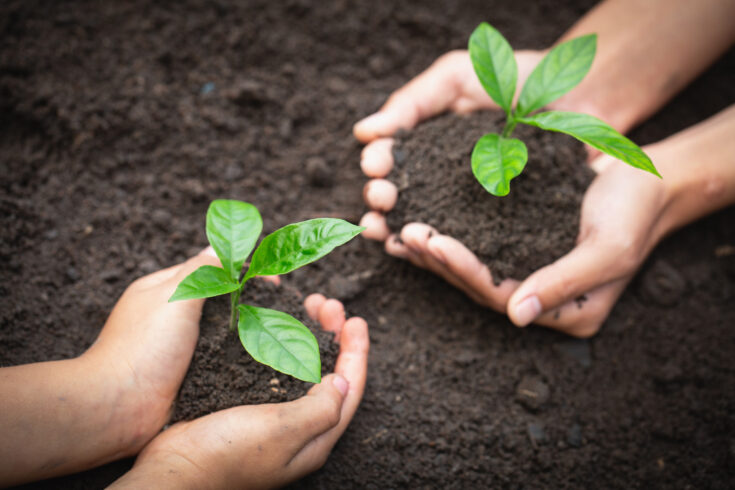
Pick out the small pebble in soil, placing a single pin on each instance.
(51, 234)
(575, 349)
(147, 266)
(318, 172)
(207, 88)
(574, 436)
(532, 392)
(344, 287)
(536, 433)
(161, 218)
(72, 274)
(110, 275)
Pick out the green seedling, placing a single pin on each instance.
(271, 337)
(498, 158)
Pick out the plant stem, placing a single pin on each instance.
(510, 125)
(234, 299)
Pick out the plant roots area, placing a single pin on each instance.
(121, 121)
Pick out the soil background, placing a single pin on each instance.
(121, 121)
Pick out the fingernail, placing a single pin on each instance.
(208, 251)
(372, 123)
(527, 310)
(341, 384)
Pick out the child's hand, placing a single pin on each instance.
(59, 417)
(263, 446)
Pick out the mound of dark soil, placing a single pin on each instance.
(223, 375)
(536, 223)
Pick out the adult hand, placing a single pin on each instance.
(449, 83)
(625, 213)
(264, 446)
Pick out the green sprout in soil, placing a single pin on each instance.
(497, 159)
(271, 337)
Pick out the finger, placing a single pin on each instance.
(380, 194)
(332, 316)
(177, 272)
(416, 236)
(315, 413)
(352, 365)
(272, 279)
(376, 228)
(377, 158)
(584, 316)
(313, 303)
(476, 276)
(583, 269)
(430, 93)
(454, 262)
(394, 246)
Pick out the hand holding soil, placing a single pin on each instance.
(623, 216)
(264, 446)
(115, 398)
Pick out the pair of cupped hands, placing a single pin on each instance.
(243, 447)
(113, 400)
(622, 216)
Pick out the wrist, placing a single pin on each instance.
(165, 471)
(130, 414)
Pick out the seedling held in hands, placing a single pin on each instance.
(497, 159)
(271, 337)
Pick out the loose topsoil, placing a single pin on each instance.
(121, 121)
(223, 375)
(536, 223)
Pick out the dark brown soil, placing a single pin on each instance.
(222, 373)
(112, 145)
(536, 223)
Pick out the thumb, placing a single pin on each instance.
(581, 270)
(318, 411)
(206, 257)
(430, 93)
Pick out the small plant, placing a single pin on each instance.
(497, 159)
(269, 336)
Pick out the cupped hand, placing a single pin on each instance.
(264, 446)
(146, 346)
(623, 217)
(449, 84)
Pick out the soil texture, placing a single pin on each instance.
(223, 375)
(120, 122)
(536, 223)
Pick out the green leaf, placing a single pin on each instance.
(494, 63)
(559, 72)
(496, 161)
(205, 282)
(298, 244)
(588, 129)
(233, 227)
(280, 341)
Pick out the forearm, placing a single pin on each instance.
(698, 168)
(61, 417)
(647, 51)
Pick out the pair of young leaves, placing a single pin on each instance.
(497, 159)
(271, 337)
